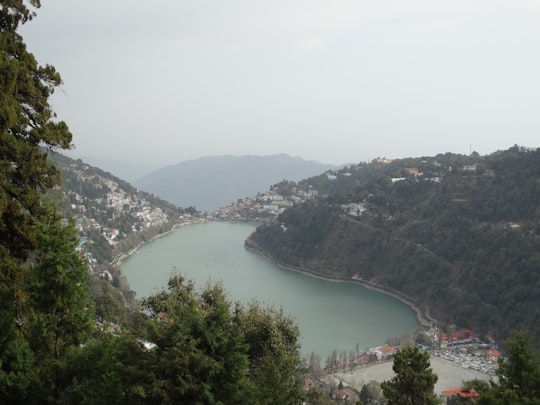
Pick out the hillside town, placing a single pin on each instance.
(264, 207)
(111, 216)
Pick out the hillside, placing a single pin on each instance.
(212, 182)
(457, 235)
(112, 218)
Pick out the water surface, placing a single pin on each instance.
(330, 315)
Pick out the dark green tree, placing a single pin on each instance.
(59, 315)
(518, 375)
(275, 364)
(109, 369)
(57, 283)
(521, 370)
(28, 131)
(364, 394)
(203, 351)
(414, 381)
(201, 356)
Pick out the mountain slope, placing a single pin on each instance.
(212, 182)
(110, 213)
(460, 240)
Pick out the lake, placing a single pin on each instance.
(330, 315)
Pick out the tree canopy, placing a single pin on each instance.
(518, 375)
(42, 280)
(197, 347)
(414, 381)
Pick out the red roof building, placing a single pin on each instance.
(462, 392)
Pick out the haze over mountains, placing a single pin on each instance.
(122, 168)
(212, 182)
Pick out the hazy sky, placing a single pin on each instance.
(164, 81)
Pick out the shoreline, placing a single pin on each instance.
(423, 318)
(117, 260)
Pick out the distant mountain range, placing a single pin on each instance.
(212, 182)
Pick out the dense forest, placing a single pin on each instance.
(458, 235)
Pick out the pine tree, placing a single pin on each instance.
(518, 376)
(56, 280)
(28, 132)
(201, 357)
(275, 364)
(414, 381)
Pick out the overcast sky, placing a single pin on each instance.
(165, 81)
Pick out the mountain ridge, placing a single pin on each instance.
(211, 182)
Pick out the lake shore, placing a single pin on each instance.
(423, 317)
(117, 261)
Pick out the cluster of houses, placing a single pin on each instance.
(102, 210)
(263, 207)
(268, 205)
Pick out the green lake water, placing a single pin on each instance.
(330, 315)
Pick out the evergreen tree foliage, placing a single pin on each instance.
(57, 282)
(371, 393)
(26, 127)
(201, 356)
(203, 351)
(518, 375)
(109, 369)
(414, 381)
(275, 365)
(28, 131)
(59, 315)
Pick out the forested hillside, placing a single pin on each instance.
(458, 235)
